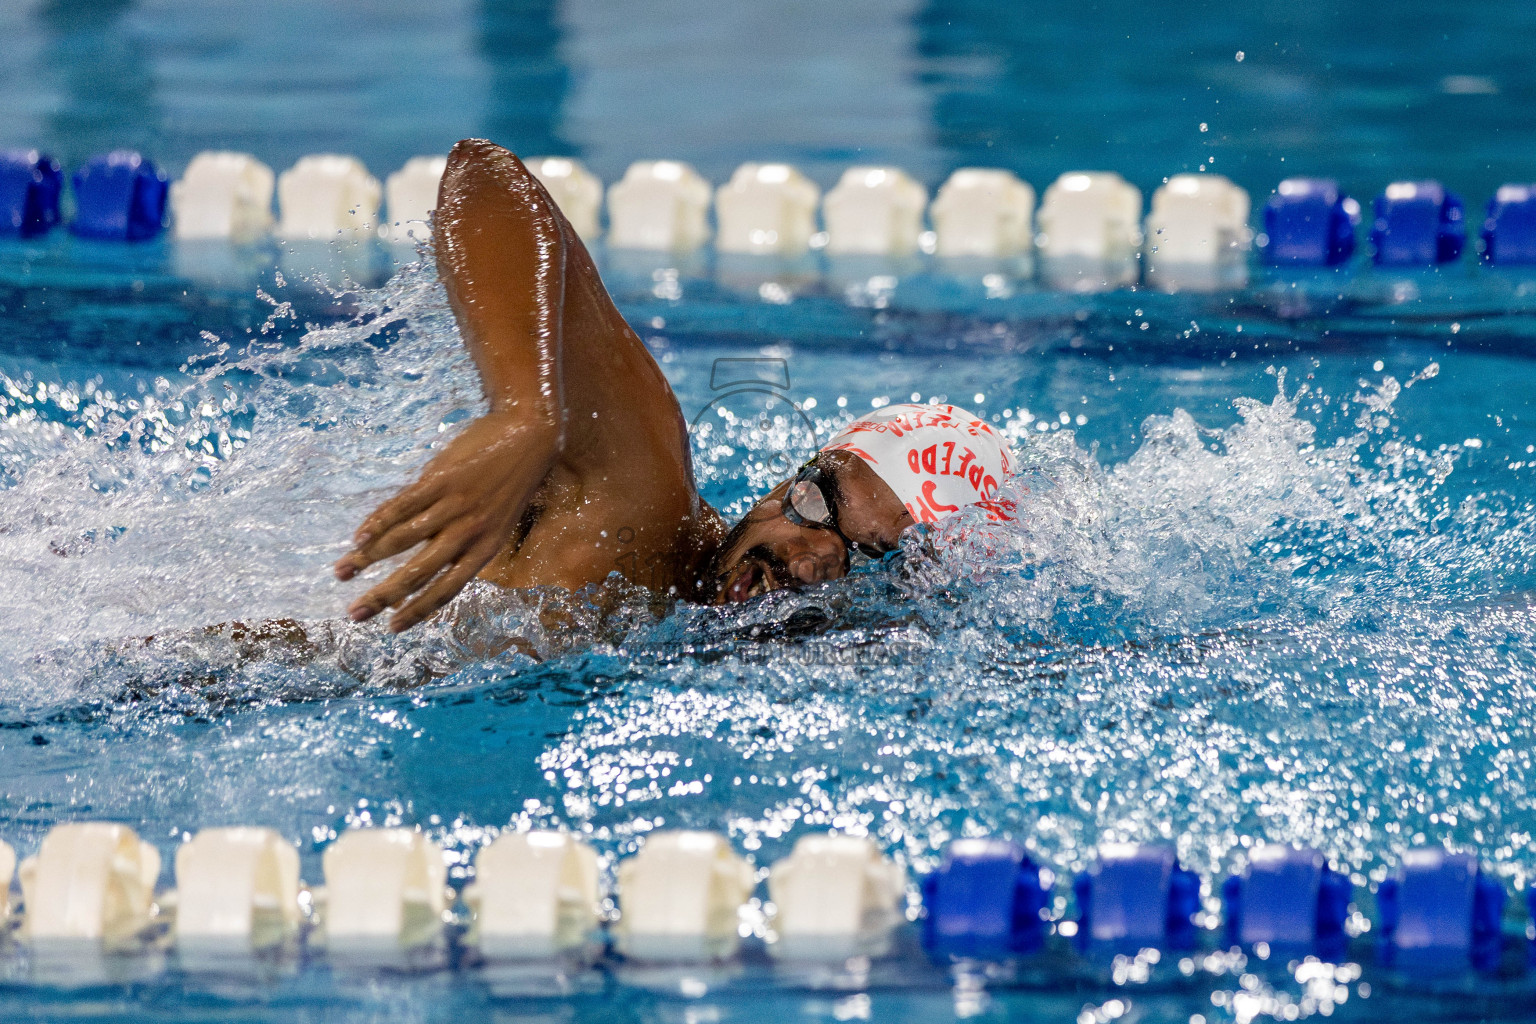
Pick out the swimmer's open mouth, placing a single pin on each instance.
(750, 579)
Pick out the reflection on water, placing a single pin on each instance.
(1038, 88)
(720, 84)
(1254, 91)
(520, 43)
(104, 73)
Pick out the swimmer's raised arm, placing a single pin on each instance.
(471, 496)
(581, 466)
(492, 212)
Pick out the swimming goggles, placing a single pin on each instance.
(812, 501)
(812, 498)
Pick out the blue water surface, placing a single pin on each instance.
(1270, 583)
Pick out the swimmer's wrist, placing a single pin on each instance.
(514, 422)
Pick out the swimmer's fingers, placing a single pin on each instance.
(443, 588)
(444, 550)
(394, 538)
(410, 502)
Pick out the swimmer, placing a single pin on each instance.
(580, 466)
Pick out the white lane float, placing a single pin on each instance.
(385, 891)
(660, 205)
(326, 196)
(1093, 215)
(682, 897)
(766, 209)
(237, 890)
(91, 882)
(535, 895)
(411, 193)
(7, 872)
(1198, 218)
(223, 195)
(577, 191)
(983, 212)
(1197, 234)
(874, 211)
(1088, 232)
(835, 896)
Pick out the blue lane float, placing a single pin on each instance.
(119, 196)
(1417, 224)
(1309, 222)
(30, 184)
(1440, 913)
(984, 901)
(1289, 900)
(1136, 896)
(1509, 230)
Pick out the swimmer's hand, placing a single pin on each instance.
(463, 509)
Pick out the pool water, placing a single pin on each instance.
(1269, 594)
(1270, 583)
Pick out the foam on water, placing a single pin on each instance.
(215, 496)
(1234, 634)
(1238, 632)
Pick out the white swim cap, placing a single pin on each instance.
(936, 458)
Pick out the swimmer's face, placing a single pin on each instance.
(768, 552)
(869, 514)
